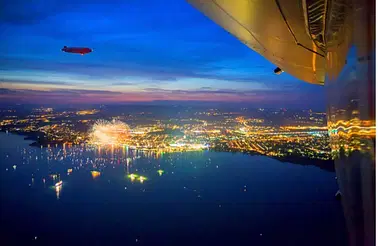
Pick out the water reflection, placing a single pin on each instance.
(57, 191)
(66, 161)
(58, 187)
(350, 87)
(201, 189)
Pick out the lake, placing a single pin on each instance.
(190, 198)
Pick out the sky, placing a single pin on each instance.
(143, 51)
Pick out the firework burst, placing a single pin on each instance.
(109, 132)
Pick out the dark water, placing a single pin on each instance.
(202, 198)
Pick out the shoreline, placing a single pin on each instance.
(326, 165)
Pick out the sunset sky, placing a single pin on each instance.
(143, 51)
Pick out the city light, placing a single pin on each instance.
(306, 135)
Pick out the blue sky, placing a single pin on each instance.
(143, 51)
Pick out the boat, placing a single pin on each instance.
(59, 184)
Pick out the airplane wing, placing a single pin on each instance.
(276, 29)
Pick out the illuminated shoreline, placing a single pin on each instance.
(305, 137)
(324, 164)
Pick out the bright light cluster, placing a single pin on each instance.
(109, 133)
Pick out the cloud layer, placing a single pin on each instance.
(146, 50)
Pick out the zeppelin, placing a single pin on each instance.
(77, 50)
